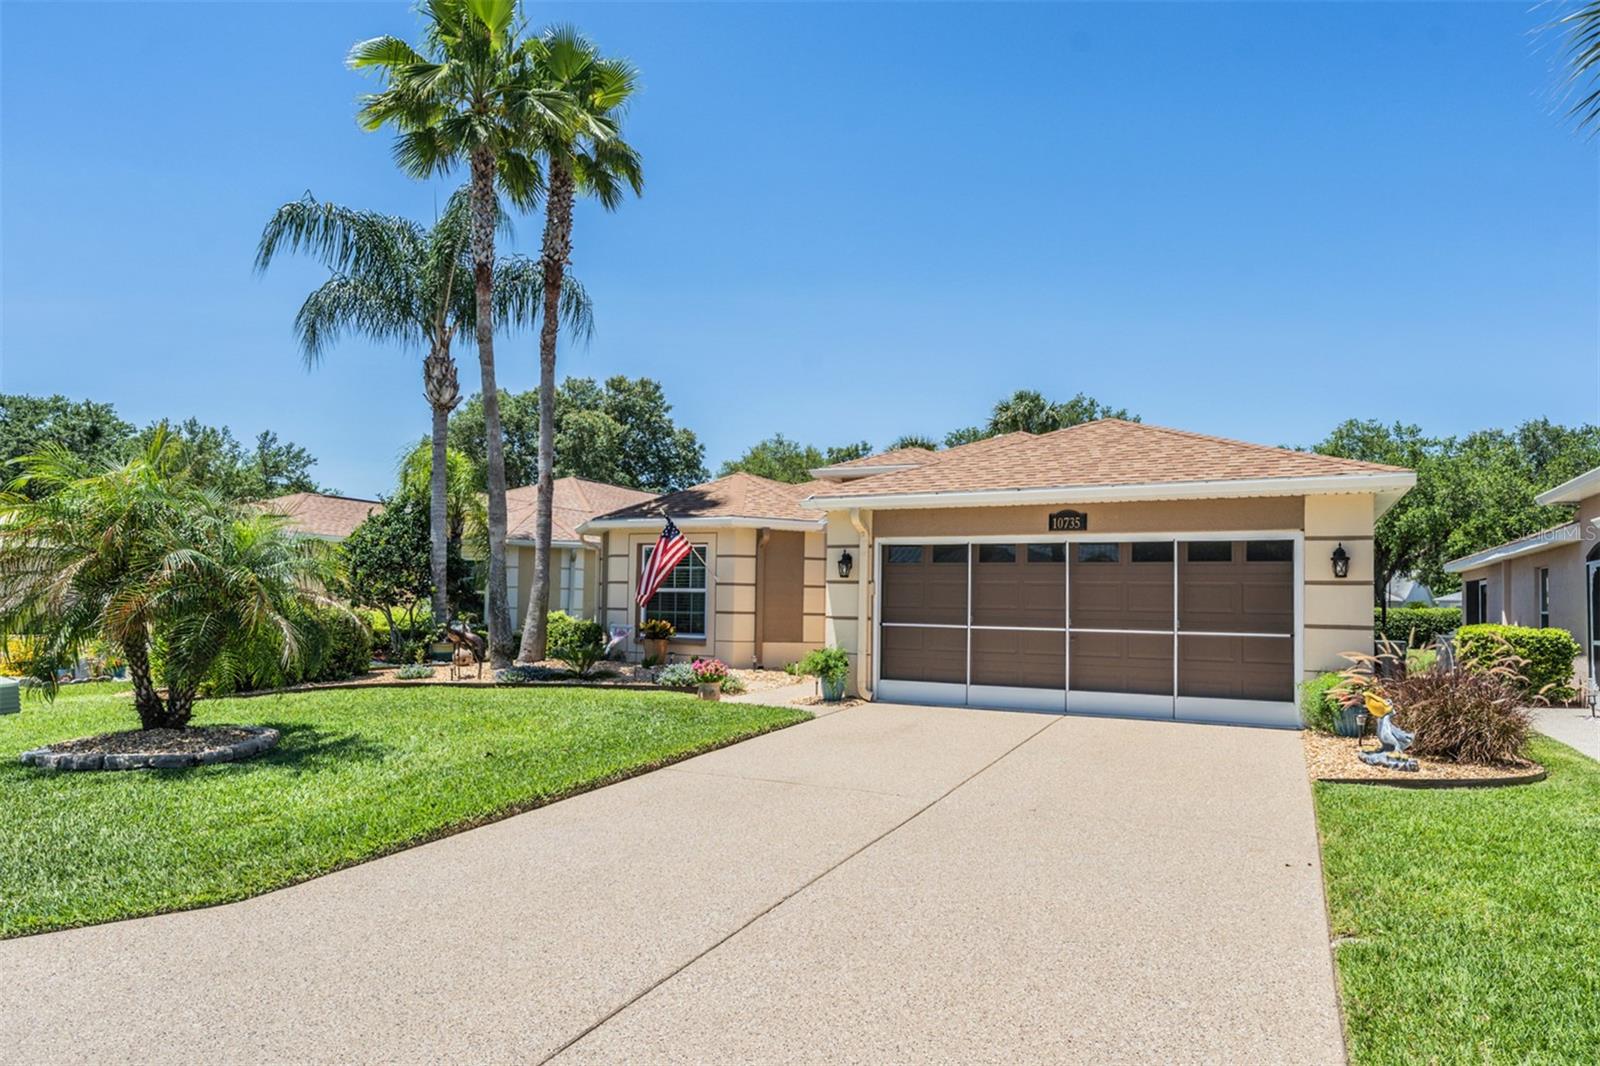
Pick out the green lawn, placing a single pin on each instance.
(358, 773)
(1475, 915)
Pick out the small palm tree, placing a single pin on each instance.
(469, 97)
(393, 280)
(1582, 28)
(583, 152)
(136, 555)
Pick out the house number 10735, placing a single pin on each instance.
(1068, 522)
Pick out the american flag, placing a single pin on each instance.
(670, 549)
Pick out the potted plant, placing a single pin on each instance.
(831, 668)
(654, 633)
(709, 674)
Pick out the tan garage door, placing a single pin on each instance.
(1199, 629)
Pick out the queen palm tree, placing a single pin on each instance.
(469, 96)
(583, 152)
(136, 554)
(1582, 28)
(393, 280)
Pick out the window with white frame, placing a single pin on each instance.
(1543, 575)
(681, 599)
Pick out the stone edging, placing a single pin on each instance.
(262, 739)
(1405, 780)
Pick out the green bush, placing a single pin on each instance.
(1418, 625)
(676, 675)
(1549, 654)
(829, 664)
(332, 645)
(414, 671)
(578, 642)
(1320, 710)
(732, 686)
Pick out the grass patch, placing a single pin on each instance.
(1475, 916)
(359, 772)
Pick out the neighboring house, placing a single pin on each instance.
(574, 558)
(1547, 578)
(1406, 591)
(1108, 568)
(319, 515)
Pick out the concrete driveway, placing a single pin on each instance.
(885, 884)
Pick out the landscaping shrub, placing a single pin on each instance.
(528, 675)
(676, 675)
(1549, 653)
(333, 645)
(1415, 625)
(578, 642)
(732, 686)
(414, 671)
(1317, 705)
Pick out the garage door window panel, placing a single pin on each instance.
(917, 589)
(1236, 594)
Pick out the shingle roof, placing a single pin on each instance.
(575, 501)
(896, 457)
(1109, 452)
(319, 515)
(738, 495)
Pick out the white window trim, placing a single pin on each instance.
(695, 551)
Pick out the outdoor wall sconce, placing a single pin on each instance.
(1341, 562)
(845, 563)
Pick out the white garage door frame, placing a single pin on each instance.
(1283, 714)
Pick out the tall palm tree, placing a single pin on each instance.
(136, 554)
(1582, 27)
(393, 280)
(583, 151)
(470, 97)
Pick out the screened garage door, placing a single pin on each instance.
(1191, 629)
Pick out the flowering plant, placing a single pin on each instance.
(657, 629)
(710, 671)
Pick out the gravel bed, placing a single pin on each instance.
(1331, 758)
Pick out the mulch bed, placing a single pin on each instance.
(154, 749)
(1334, 759)
(202, 738)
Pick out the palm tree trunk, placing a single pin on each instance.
(146, 700)
(439, 386)
(553, 262)
(496, 609)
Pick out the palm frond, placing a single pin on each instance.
(1582, 29)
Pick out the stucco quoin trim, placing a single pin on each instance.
(1387, 487)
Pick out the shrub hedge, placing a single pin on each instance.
(1318, 708)
(1427, 623)
(333, 645)
(1549, 652)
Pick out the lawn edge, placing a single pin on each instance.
(1327, 924)
(443, 832)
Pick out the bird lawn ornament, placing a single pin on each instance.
(1392, 740)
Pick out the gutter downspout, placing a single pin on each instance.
(866, 624)
(762, 536)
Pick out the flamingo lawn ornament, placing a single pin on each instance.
(461, 635)
(1392, 740)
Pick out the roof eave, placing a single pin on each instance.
(1571, 533)
(1390, 485)
(1573, 490)
(852, 472)
(712, 522)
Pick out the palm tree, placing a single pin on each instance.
(137, 555)
(470, 97)
(1582, 28)
(583, 151)
(393, 280)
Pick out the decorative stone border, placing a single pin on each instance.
(1404, 780)
(262, 739)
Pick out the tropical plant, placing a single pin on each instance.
(657, 629)
(831, 666)
(1582, 28)
(394, 280)
(583, 151)
(333, 644)
(578, 642)
(471, 96)
(135, 555)
(913, 440)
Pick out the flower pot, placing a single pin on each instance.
(711, 690)
(1348, 723)
(833, 689)
(655, 648)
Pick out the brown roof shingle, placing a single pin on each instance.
(1105, 453)
(738, 495)
(896, 457)
(319, 515)
(575, 501)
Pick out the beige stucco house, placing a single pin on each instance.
(1547, 578)
(1109, 568)
(321, 515)
(574, 557)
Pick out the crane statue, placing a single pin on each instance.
(1392, 740)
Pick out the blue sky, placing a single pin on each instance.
(860, 220)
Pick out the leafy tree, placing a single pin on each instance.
(471, 96)
(465, 521)
(619, 432)
(583, 152)
(214, 459)
(1028, 411)
(913, 440)
(140, 556)
(844, 453)
(387, 560)
(393, 280)
(966, 435)
(91, 431)
(778, 458)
